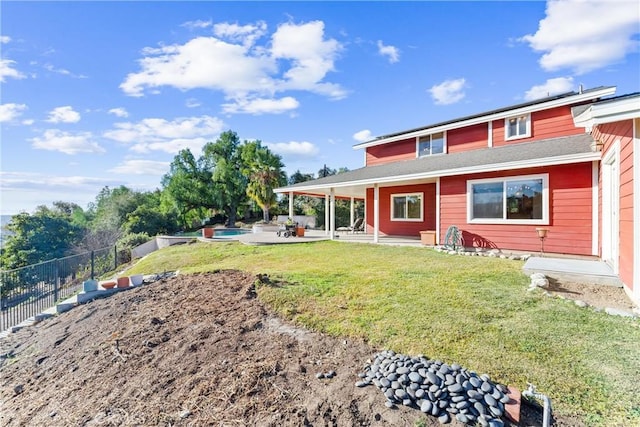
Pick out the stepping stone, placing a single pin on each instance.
(512, 408)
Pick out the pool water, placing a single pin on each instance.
(226, 232)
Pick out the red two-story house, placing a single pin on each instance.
(569, 164)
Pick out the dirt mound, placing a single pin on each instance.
(191, 350)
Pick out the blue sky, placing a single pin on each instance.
(96, 94)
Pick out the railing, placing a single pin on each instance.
(27, 291)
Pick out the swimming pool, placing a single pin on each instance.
(230, 232)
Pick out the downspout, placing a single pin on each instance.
(532, 393)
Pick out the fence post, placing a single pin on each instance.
(93, 264)
(56, 283)
(115, 257)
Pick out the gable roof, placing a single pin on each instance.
(553, 151)
(623, 107)
(501, 113)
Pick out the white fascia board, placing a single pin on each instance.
(497, 116)
(614, 111)
(521, 164)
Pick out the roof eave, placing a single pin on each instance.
(520, 164)
(624, 109)
(574, 99)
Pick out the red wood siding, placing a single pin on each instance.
(468, 138)
(609, 134)
(402, 228)
(392, 152)
(569, 212)
(552, 123)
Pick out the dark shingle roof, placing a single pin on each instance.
(491, 112)
(565, 149)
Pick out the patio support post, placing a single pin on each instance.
(326, 214)
(332, 214)
(352, 212)
(291, 204)
(376, 212)
(438, 209)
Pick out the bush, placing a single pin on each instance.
(131, 240)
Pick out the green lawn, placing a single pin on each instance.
(470, 310)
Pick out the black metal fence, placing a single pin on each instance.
(27, 291)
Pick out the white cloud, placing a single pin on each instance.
(28, 122)
(64, 114)
(363, 136)
(261, 106)
(169, 136)
(391, 52)
(585, 35)
(311, 57)
(294, 149)
(141, 167)
(247, 35)
(5, 39)
(549, 88)
(66, 142)
(63, 71)
(172, 146)
(9, 112)
(23, 191)
(7, 70)
(192, 103)
(195, 25)
(21, 180)
(119, 112)
(299, 57)
(448, 92)
(203, 62)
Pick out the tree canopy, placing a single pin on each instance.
(264, 172)
(229, 176)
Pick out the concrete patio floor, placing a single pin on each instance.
(271, 238)
(584, 270)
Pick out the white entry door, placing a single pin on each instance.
(610, 207)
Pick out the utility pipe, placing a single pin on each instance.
(546, 415)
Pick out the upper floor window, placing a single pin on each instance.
(406, 207)
(517, 199)
(518, 127)
(431, 144)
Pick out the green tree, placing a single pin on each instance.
(263, 170)
(46, 234)
(223, 160)
(298, 177)
(151, 218)
(189, 185)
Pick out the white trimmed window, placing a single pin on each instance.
(407, 207)
(517, 127)
(512, 200)
(429, 145)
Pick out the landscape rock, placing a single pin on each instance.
(617, 312)
(444, 391)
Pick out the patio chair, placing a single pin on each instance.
(358, 226)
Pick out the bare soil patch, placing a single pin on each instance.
(192, 350)
(598, 296)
